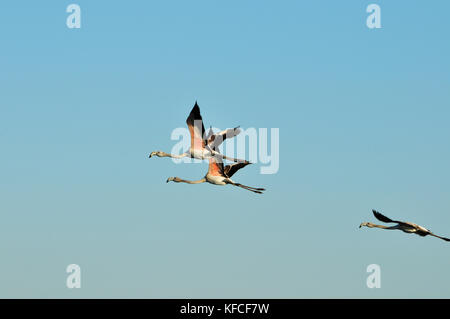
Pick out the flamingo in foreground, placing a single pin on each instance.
(202, 146)
(219, 175)
(406, 227)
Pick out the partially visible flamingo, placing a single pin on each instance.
(406, 227)
(202, 147)
(219, 175)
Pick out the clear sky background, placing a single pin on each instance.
(364, 123)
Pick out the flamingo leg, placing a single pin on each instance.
(252, 189)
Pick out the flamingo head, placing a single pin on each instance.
(170, 179)
(157, 153)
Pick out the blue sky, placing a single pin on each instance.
(363, 117)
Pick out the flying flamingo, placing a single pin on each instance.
(406, 227)
(202, 146)
(219, 175)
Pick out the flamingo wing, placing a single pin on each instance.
(210, 134)
(214, 140)
(383, 218)
(229, 170)
(196, 128)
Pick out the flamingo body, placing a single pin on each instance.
(219, 175)
(202, 147)
(406, 227)
(216, 180)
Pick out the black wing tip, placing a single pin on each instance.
(194, 114)
(195, 109)
(383, 218)
(242, 164)
(377, 213)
